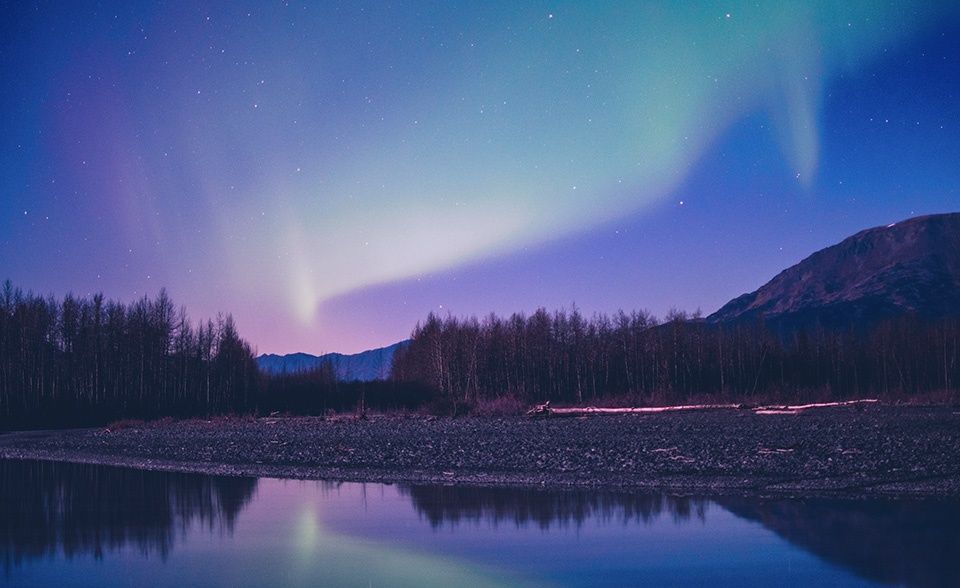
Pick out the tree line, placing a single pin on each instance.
(318, 392)
(89, 360)
(636, 358)
(78, 361)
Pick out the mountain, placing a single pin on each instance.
(910, 267)
(366, 366)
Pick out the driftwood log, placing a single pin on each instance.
(544, 410)
(788, 409)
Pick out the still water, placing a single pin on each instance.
(81, 525)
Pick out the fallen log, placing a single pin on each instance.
(788, 409)
(545, 410)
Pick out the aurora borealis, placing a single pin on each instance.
(331, 172)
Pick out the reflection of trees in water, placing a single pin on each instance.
(453, 505)
(88, 509)
(900, 542)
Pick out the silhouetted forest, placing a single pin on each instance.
(317, 392)
(88, 360)
(635, 358)
(78, 361)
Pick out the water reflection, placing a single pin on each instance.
(70, 524)
(899, 542)
(452, 505)
(49, 507)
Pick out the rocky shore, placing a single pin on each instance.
(872, 450)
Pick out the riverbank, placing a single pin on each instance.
(859, 450)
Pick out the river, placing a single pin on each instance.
(82, 525)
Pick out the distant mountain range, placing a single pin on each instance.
(366, 366)
(910, 267)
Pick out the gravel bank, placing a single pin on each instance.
(850, 451)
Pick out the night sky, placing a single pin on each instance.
(331, 172)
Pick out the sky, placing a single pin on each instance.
(329, 172)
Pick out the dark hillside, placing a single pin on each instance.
(910, 267)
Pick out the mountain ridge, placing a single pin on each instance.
(365, 366)
(908, 267)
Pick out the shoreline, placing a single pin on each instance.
(878, 451)
(675, 486)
